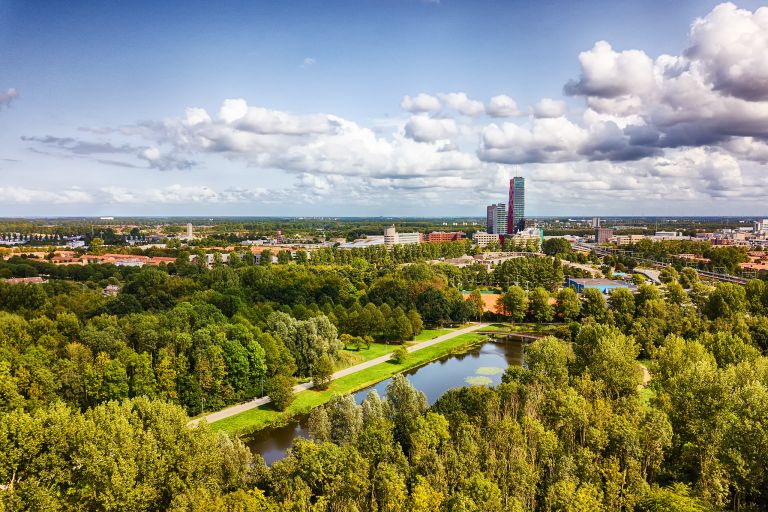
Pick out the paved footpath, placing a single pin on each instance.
(258, 402)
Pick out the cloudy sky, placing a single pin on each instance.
(383, 107)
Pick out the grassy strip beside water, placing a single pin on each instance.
(350, 357)
(264, 416)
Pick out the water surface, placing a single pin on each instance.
(483, 365)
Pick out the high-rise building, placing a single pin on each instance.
(490, 216)
(390, 237)
(516, 205)
(603, 235)
(189, 230)
(279, 236)
(497, 219)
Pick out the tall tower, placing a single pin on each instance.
(390, 237)
(516, 205)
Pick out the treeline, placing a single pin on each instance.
(208, 338)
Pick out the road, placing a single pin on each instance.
(258, 402)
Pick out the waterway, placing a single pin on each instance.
(483, 365)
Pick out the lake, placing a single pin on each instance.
(483, 365)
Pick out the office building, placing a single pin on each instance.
(497, 213)
(392, 237)
(408, 238)
(516, 205)
(603, 235)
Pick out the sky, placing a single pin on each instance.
(383, 107)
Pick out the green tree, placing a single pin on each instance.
(538, 304)
(322, 372)
(280, 390)
(514, 303)
(568, 307)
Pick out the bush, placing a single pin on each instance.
(400, 354)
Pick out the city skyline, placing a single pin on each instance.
(403, 108)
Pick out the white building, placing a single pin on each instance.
(482, 239)
(408, 238)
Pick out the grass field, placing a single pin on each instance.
(352, 357)
(256, 419)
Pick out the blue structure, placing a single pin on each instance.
(604, 285)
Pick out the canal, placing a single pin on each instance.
(483, 365)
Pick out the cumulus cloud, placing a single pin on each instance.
(502, 106)
(308, 62)
(547, 107)
(609, 74)
(423, 128)
(731, 45)
(420, 103)
(462, 104)
(7, 97)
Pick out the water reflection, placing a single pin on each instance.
(433, 379)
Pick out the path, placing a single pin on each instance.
(646, 377)
(258, 402)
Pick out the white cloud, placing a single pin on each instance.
(547, 107)
(420, 103)
(609, 74)
(502, 106)
(22, 195)
(462, 104)
(308, 62)
(731, 44)
(423, 128)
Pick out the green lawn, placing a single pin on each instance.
(263, 416)
(353, 357)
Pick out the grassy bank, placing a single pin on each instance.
(351, 357)
(264, 416)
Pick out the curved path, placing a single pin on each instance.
(258, 402)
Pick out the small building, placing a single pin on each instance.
(604, 285)
(446, 236)
(25, 280)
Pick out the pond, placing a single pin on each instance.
(483, 365)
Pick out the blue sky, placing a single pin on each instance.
(305, 109)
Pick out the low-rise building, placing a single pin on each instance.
(446, 236)
(482, 239)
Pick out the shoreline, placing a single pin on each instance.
(254, 420)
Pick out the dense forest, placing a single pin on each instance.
(96, 389)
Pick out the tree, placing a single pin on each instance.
(540, 308)
(514, 303)
(668, 275)
(622, 303)
(568, 306)
(280, 391)
(433, 306)
(265, 258)
(726, 301)
(594, 304)
(406, 404)
(322, 372)
(688, 277)
(475, 300)
(557, 246)
(96, 246)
